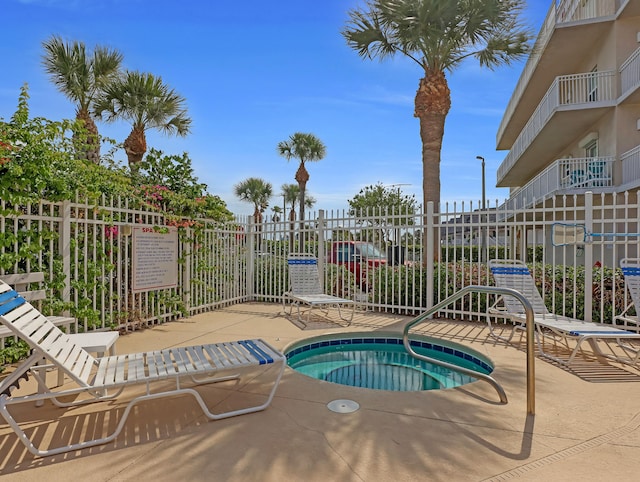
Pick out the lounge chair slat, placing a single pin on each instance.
(121, 369)
(195, 354)
(160, 364)
(101, 373)
(182, 360)
(136, 364)
(169, 363)
(212, 356)
(220, 355)
(232, 355)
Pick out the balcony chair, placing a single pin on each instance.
(578, 179)
(597, 174)
(516, 275)
(97, 379)
(305, 289)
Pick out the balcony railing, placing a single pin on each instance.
(631, 165)
(630, 73)
(575, 10)
(563, 175)
(577, 90)
(565, 11)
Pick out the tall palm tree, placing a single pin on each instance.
(305, 148)
(438, 35)
(145, 101)
(81, 76)
(256, 191)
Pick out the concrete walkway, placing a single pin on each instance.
(586, 425)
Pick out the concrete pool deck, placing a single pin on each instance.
(586, 424)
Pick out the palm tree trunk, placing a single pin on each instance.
(87, 148)
(292, 227)
(432, 104)
(302, 176)
(135, 146)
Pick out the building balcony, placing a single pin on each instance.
(568, 22)
(631, 168)
(566, 176)
(572, 104)
(630, 79)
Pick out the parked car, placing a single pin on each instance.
(359, 257)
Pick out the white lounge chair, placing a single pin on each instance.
(305, 289)
(515, 274)
(631, 271)
(95, 379)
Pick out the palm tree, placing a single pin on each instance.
(306, 148)
(145, 101)
(275, 217)
(277, 211)
(256, 191)
(81, 76)
(438, 35)
(291, 194)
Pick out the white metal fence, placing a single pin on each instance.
(460, 239)
(86, 253)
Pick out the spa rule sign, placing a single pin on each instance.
(155, 259)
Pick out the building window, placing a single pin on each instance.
(591, 149)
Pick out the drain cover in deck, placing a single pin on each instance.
(343, 406)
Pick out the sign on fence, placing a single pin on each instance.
(155, 259)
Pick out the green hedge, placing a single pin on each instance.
(450, 278)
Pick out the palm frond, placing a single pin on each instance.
(146, 101)
(439, 34)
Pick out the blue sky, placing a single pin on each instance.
(255, 72)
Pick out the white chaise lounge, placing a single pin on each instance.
(305, 289)
(515, 274)
(95, 379)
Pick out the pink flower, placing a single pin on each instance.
(111, 231)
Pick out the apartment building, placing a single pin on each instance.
(573, 121)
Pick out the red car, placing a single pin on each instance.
(358, 256)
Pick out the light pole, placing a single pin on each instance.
(484, 206)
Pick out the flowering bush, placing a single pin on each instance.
(38, 161)
(111, 232)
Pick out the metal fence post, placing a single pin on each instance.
(64, 247)
(429, 256)
(251, 257)
(321, 228)
(186, 271)
(588, 257)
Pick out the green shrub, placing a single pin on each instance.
(563, 296)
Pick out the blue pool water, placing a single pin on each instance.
(381, 362)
